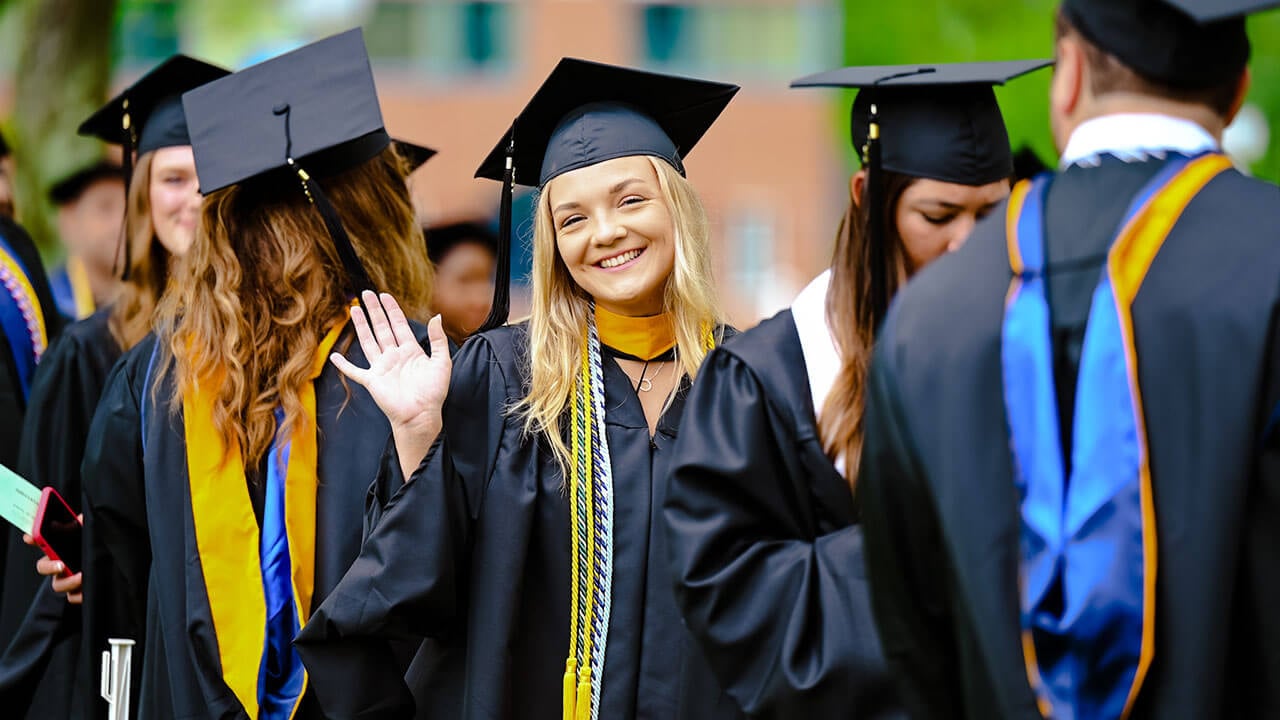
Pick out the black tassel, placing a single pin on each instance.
(127, 161)
(356, 274)
(501, 308)
(875, 223)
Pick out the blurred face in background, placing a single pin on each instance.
(464, 288)
(175, 198)
(7, 206)
(91, 224)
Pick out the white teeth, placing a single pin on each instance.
(622, 259)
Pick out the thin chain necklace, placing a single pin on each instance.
(644, 384)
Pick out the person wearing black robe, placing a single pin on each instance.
(220, 556)
(1153, 596)
(30, 321)
(39, 666)
(480, 546)
(765, 536)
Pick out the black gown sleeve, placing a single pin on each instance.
(117, 548)
(779, 610)
(64, 393)
(410, 579)
(1257, 625)
(905, 558)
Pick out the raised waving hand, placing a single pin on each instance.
(408, 385)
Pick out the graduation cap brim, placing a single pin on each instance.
(166, 81)
(414, 154)
(1209, 11)
(950, 74)
(684, 108)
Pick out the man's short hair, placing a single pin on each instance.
(1108, 74)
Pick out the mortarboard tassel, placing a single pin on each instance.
(356, 273)
(875, 222)
(127, 160)
(502, 278)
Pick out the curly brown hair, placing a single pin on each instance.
(262, 284)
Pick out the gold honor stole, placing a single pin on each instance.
(81, 291)
(1091, 533)
(227, 533)
(644, 338)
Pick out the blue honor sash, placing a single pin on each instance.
(1088, 541)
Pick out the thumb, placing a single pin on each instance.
(439, 341)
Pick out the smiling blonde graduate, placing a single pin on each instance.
(518, 526)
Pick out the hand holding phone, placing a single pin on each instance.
(57, 531)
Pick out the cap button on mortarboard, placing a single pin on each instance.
(280, 109)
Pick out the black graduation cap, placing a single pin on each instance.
(70, 187)
(414, 154)
(940, 122)
(1189, 44)
(148, 115)
(585, 113)
(312, 112)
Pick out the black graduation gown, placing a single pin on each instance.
(13, 408)
(765, 541)
(39, 667)
(940, 507)
(139, 524)
(474, 552)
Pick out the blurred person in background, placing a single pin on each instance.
(464, 254)
(90, 217)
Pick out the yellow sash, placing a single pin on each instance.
(227, 531)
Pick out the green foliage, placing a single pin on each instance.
(906, 31)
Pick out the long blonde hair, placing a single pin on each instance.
(558, 318)
(262, 284)
(134, 309)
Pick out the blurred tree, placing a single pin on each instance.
(932, 31)
(61, 76)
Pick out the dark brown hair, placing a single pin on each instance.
(840, 423)
(1108, 74)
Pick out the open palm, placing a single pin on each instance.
(409, 385)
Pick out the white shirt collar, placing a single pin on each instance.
(821, 358)
(1134, 137)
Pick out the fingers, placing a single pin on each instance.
(26, 538)
(369, 345)
(378, 319)
(439, 341)
(75, 598)
(357, 374)
(68, 584)
(47, 567)
(399, 324)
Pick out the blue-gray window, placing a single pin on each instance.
(442, 36)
